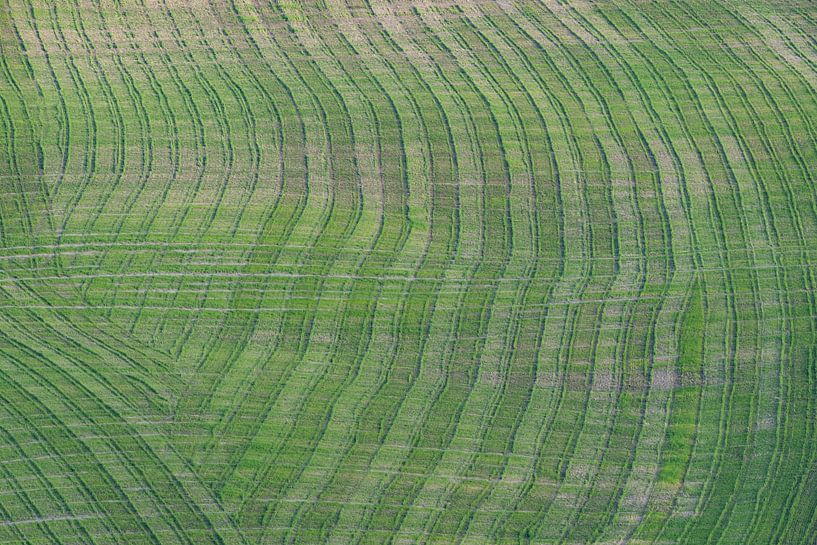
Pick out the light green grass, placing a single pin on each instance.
(358, 272)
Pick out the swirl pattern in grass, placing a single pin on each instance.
(367, 271)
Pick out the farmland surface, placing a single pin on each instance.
(396, 272)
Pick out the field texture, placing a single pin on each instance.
(428, 271)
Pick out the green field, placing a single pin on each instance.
(357, 272)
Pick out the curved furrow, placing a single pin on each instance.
(144, 142)
(147, 163)
(534, 487)
(767, 239)
(211, 188)
(497, 474)
(254, 260)
(555, 102)
(109, 177)
(335, 356)
(661, 377)
(8, 132)
(247, 116)
(213, 209)
(175, 156)
(288, 210)
(33, 168)
(383, 384)
(354, 271)
(487, 377)
(171, 133)
(334, 215)
(794, 216)
(371, 260)
(184, 35)
(89, 154)
(692, 334)
(731, 339)
(283, 510)
(663, 285)
(449, 247)
(256, 146)
(63, 119)
(14, 137)
(193, 111)
(675, 416)
(592, 358)
(764, 139)
(808, 280)
(47, 406)
(295, 215)
(447, 390)
(239, 453)
(499, 378)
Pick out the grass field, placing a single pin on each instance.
(428, 271)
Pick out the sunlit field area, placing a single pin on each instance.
(437, 272)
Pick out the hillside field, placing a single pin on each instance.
(436, 272)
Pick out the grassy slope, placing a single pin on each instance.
(352, 271)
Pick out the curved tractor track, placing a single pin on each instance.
(436, 272)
